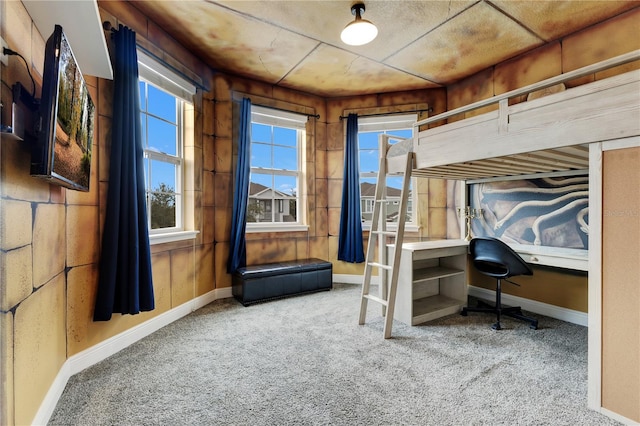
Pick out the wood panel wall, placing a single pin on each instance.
(621, 282)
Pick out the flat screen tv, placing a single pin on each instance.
(62, 150)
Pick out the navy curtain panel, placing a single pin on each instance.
(237, 242)
(125, 283)
(350, 236)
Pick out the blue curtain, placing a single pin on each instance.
(350, 236)
(125, 283)
(238, 245)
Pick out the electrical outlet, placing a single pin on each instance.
(3, 58)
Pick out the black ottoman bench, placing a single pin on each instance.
(259, 283)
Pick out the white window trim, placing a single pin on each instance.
(161, 76)
(392, 122)
(275, 117)
(274, 227)
(152, 71)
(170, 237)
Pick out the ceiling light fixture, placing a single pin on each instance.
(360, 31)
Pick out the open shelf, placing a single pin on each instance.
(432, 307)
(435, 272)
(432, 281)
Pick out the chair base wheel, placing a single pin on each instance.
(513, 312)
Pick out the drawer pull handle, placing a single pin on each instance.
(533, 259)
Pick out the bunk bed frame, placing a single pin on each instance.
(562, 132)
(547, 134)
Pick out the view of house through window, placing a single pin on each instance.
(276, 147)
(162, 103)
(369, 130)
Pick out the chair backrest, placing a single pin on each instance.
(492, 257)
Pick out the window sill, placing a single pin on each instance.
(255, 228)
(171, 237)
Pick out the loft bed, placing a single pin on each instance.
(548, 134)
(557, 133)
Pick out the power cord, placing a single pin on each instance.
(9, 52)
(511, 282)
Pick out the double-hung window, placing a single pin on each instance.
(369, 131)
(277, 149)
(164, 98)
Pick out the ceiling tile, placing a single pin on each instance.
(332, 72)
(399, 22)
(231, 41)
(549, 19)
(477, 38)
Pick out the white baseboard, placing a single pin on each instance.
(105, 349)
(617, 417)
(564, 314)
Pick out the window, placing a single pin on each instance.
(164, 99)
(369, 130)
(276, 168)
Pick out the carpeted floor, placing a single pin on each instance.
(306, 361)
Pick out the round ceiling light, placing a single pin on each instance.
(360, 31)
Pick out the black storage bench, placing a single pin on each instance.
(259, 283)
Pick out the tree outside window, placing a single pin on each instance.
(161, 118)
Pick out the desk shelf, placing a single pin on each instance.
(432, 307)
(434, 273)
(432, 280)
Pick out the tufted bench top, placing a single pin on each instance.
(259, 283)
(279, 268)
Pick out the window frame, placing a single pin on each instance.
(152, 72)
(290, 120)
(384, 124)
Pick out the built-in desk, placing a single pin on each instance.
(557, 257)
(432, 280)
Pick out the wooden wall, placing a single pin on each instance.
(51, 237)
(621, 282)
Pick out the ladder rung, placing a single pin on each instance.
(384, 200)
(376, 299)
(381, 265)
(389, 233)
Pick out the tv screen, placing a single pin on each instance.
(62, 150)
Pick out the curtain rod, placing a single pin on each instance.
(316, 116)
(391, 113)
(106, 26)
(236, 98)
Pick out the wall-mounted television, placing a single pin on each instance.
(61, 151)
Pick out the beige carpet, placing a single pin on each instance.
(306, 361)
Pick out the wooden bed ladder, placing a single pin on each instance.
(387, 270)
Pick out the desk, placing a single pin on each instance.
(432, 280)
(433, 275)
(553, 256)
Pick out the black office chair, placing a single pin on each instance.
(494, 258)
